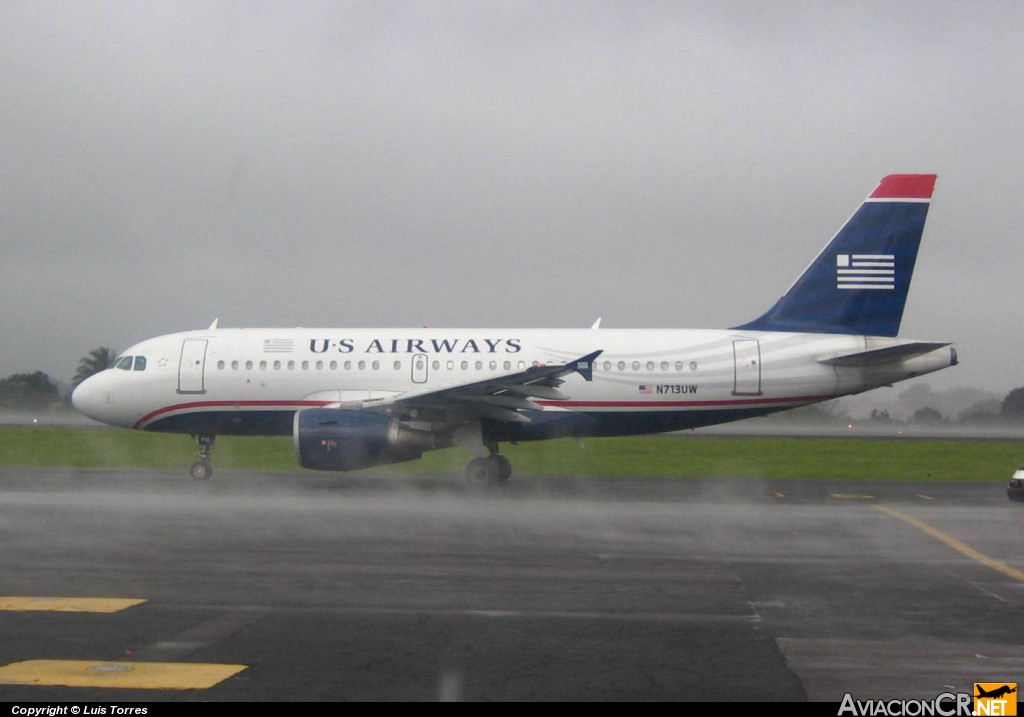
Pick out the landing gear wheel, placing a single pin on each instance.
(492, 470)
(201, 470)
(503, 466)
(481, 472)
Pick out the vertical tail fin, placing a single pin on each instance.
(858, 284)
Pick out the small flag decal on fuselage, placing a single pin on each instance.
(865, 271)
(278, 346)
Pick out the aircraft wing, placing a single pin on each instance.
(499, 397)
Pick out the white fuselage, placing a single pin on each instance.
(252, 381)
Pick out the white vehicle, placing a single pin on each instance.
(1015, 490)
(354, 398)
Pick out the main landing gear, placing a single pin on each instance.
(492, 470)
(203, 468)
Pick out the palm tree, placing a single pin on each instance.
(98, 360)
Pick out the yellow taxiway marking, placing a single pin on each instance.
(954, 543)
(127, 675)
(853, 496)
(67, 604)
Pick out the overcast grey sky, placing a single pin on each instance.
(658, 164)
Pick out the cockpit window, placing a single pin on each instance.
(124, 363)
(140, 363)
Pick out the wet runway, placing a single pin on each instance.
(324, 587)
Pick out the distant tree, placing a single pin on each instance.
(985, 412)
(927, 416)
(881, 416)
(98, 360)
(28, 392)
(1013, 405)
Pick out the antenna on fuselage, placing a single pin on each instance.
(215, 322)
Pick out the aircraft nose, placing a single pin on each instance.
(86, 397)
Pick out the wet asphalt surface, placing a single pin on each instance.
(399, 588)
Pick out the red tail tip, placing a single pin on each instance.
(905, 186)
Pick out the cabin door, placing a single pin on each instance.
(747, 367)
(191, 367)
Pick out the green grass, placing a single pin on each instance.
(684, 455)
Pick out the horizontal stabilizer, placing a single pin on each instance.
(889, 354)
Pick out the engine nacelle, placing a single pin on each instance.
(335, 439)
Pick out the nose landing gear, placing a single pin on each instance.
(203, 468)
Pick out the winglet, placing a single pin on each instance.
(585, 366)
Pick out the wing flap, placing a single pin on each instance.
(535, 390)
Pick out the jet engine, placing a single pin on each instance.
(336, 439)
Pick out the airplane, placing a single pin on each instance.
(353, 398)
(997, 692)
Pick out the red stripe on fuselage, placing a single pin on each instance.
(202, 405)
(685, 404)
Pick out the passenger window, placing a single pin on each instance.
(376, 365)
(398, 365)
(140, 363)
(664, 365)
(622, 365)
(334, 365)
(305, 365)
(234, 365)
(263, 365)
(221, 365)
(636, 365)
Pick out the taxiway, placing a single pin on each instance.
(323, 587)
